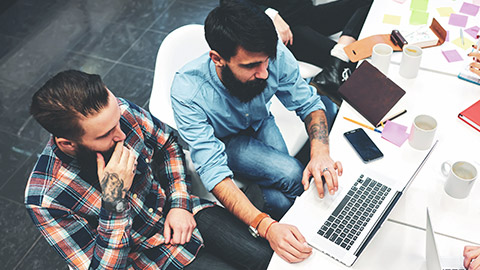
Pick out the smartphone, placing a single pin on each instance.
(363, 145)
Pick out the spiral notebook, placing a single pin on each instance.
(471, 115)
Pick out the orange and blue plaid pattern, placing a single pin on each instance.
(64, 202)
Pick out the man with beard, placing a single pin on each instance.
(109, 189)
(221, 105)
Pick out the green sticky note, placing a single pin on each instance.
(445, 11)
(418, 17)
(419, 5)
(391, 19)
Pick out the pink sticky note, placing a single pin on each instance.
(447, 38)
(395, 133)
(469, 9)
(452, 56)
(402, 1)
(458, 20)
(472, 31)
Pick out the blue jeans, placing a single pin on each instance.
(262, 157)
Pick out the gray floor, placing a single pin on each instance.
(117, 39)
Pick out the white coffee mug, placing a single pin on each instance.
(461, 176)
(410, 64)
(381, 54)
(422, 132)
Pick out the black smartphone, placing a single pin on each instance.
(365, 147)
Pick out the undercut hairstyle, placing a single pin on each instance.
(239, 23)
(61, 102)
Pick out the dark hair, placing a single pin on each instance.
(238, 23)
(62, 100)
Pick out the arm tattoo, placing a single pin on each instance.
(112, 187)
(317, 131)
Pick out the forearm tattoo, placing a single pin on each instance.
(317, 131)
(112, 187)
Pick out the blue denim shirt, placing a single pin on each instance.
(204, 110)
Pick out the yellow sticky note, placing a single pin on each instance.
(467, 43)
(391, 19)
(445, 11)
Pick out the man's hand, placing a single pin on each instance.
(116, 178)
(472, 260)
(322, 166)
(181, 223)
(283, 30)
(287, 241)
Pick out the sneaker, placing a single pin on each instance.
(333, 75)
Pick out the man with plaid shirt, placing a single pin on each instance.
(109, 190)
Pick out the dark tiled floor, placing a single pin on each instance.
(117, 39)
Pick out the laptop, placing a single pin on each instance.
(344, 232)
(433, 259)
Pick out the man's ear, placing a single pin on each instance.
(67, 146)
(217, 59)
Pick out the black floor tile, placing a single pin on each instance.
(180, 14)
(41, 257)
(131, 83)
(144, 52)
(17, 233)
(14, 152)
(14, 188)
(109, 41)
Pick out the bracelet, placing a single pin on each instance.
(268, 228)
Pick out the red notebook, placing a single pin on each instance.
(471, 115)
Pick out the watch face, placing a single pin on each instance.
(253, 231)
(120, 207)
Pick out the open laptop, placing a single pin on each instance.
(433, 259)
(344, 232)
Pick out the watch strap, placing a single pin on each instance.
(258, 219)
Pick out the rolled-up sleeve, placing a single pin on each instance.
(293, 91)
(207, 152)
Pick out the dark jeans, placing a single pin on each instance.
(228, 244)
(312, 26)
(262, 157)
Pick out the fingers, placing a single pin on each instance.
(167, 232)
(306, 179)
(338, 166)
(100, 165)
(319, 183)
(471, 253)
(296, 248)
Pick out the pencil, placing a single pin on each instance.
(392, 117)
(361, 124)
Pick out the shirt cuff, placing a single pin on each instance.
(181, 200)
(271, 13)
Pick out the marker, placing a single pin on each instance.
(392, 117)
(363, 125)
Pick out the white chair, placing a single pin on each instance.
(181, 46)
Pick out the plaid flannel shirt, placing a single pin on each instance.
(67, 209)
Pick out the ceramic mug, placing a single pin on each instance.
(422, 132)
(461, 176)
(381, 54)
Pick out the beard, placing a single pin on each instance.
(87, 159)
(244, 91)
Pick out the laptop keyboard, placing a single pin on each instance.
(354, 212)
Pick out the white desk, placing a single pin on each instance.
(436, 61)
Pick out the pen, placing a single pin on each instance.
(363, 125)
(461, 37)
(392, 117)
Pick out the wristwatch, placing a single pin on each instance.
(253, 228)
(117, 206)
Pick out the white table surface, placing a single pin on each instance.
(432, 58)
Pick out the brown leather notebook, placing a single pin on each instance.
(370, 92)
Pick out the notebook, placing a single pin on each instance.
(370, 92)
(356, 215)
(471, 115)
(433, 258)
(469, 76)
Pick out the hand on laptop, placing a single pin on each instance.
(287, 241)
(323, 165)
(472, 257)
